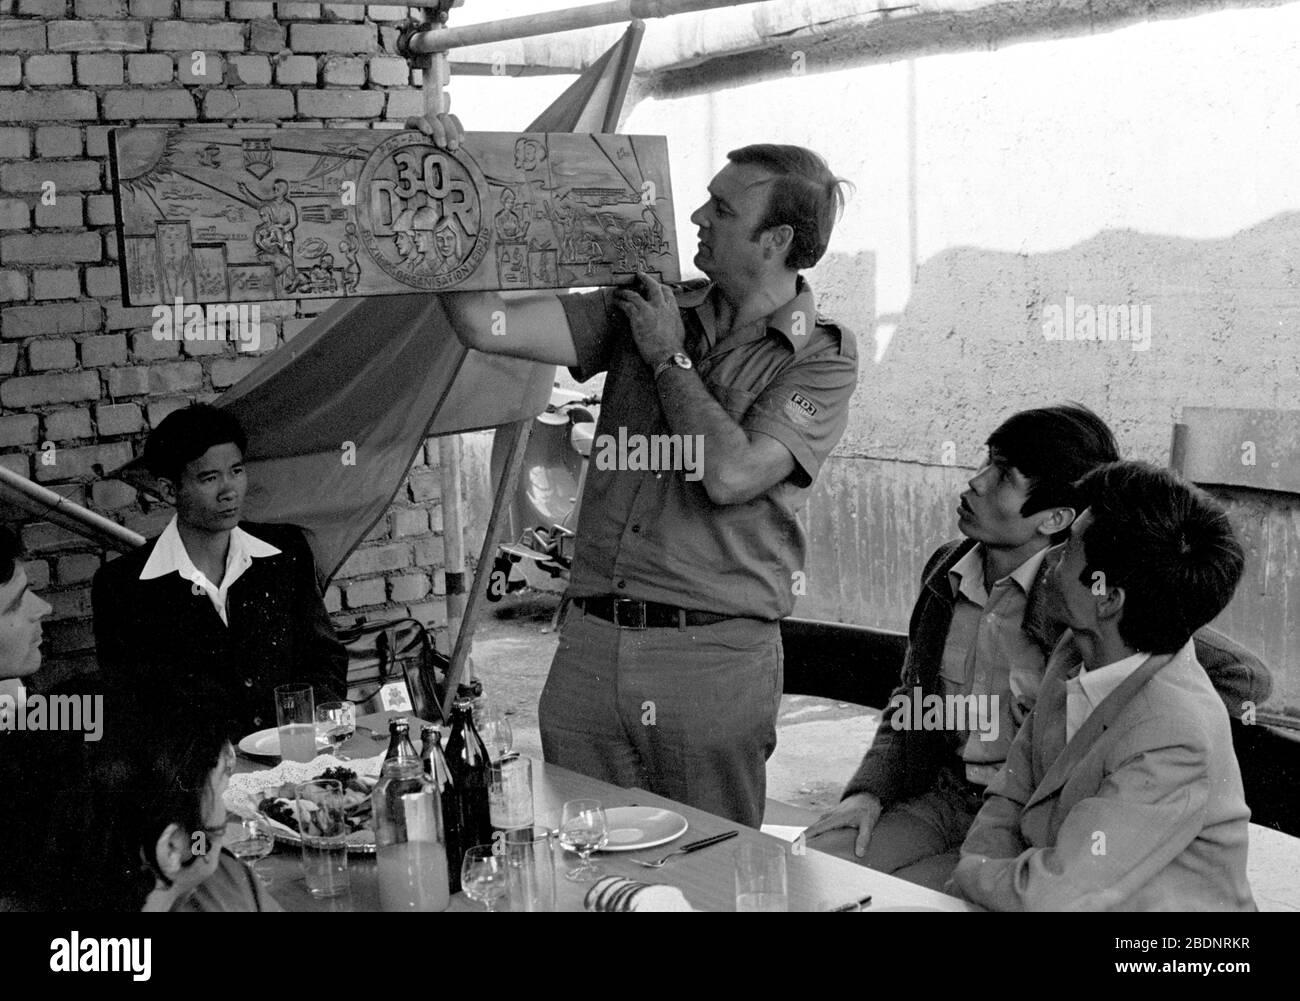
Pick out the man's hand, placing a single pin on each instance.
(861, 810)
(654, 318)
(444, 129)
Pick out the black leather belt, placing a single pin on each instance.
(627, 613)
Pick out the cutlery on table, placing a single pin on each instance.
(694, 846)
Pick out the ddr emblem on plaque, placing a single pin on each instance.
(419, 214)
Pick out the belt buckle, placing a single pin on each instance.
(638, 622)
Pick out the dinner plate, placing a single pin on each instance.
(635, 827)
(266, 743)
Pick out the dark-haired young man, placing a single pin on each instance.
(212, 597)
(21, 611)
(979, 633)
(1121, 790)
(668, 672)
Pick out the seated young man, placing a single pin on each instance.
(212, 597)
(978, 629)
(21, 612)
(1121, 790)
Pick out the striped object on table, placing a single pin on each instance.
(616, 893)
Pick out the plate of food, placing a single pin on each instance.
(270, 794)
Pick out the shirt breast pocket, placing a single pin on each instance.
(954, 669)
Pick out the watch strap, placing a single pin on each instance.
(666, 364)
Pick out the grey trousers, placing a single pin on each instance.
(918, 840)
(689, 713)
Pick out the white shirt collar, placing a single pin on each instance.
(967, 575)
(1087, 689)
(170, 556)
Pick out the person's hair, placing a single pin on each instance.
(184, 435)
(88, 814)
(1169, 545)
(11, 551)
(804, 195)
(1053, 447)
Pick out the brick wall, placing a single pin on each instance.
(80, 372)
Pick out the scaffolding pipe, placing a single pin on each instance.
(569, 19)
(45, 503)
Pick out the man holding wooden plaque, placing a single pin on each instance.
(723, 397)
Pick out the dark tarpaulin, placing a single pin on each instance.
(382, 374)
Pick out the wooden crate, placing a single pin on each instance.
(233, 215)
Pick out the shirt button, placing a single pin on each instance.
(248, 682)
(622, 584)
(257, 721)
(636, 529)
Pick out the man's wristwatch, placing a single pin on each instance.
(679, 359)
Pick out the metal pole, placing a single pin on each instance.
(518, 435)
(45, 503)
(435, 76)
(569, 19)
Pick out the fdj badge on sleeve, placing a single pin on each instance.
(801, 408)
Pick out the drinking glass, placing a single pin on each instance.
(760, 878)
(583, 829)
(251, 841)
(322, 823)
(336, 722)
(530, 865)
(510, 792)
(483, 876)
(295, 716)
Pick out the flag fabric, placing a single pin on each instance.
(336, 416)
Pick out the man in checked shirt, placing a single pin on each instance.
(668, 673)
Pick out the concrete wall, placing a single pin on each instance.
(1151, 166)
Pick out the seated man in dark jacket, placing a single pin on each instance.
(978, 642)
(236, 603)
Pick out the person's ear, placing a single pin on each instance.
(777, 240)
(168, 488)
(1058, 519)
(1111, 604)
(170, 851)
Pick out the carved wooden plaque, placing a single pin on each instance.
(232, 215)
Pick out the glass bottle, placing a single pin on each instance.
(437, 772)
(467, 761)
(399, 742)
(411, 850)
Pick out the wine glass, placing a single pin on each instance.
(250, 841)
(336, 722)
(497, 734)
(583, 829)
(483, 876)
